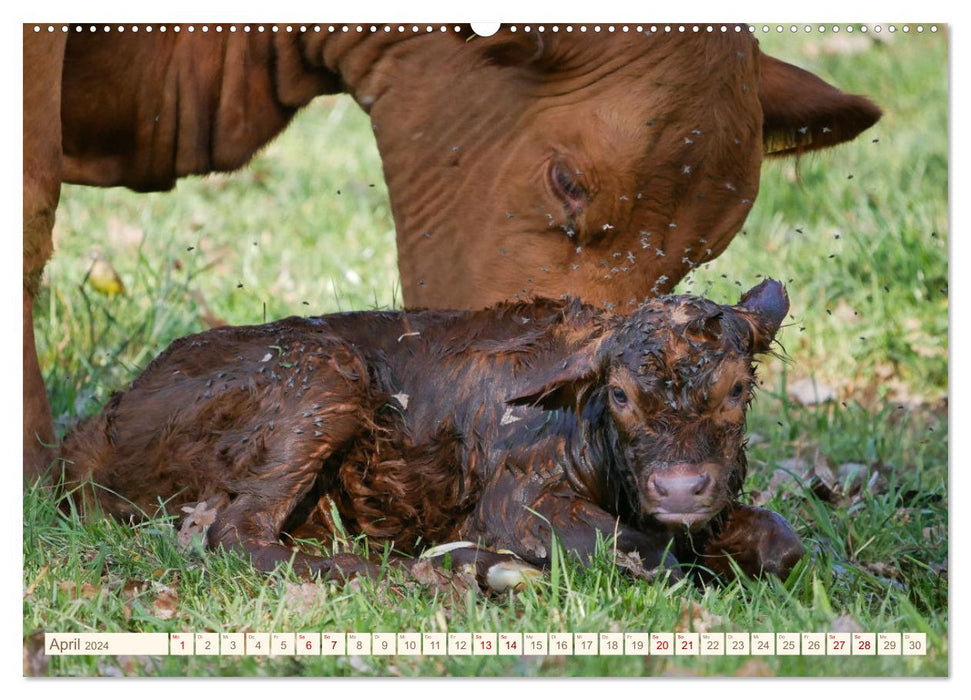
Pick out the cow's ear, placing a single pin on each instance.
(507, 48)
(567, 385)
(764, 307)
(804, 113)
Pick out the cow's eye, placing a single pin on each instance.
(737, 390)
(619, 396)
(567, 186)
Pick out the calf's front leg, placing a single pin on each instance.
(760, 542)
(252, 524)
(577, 525)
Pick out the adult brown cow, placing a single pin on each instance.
(599, 165)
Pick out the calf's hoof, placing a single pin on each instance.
(760, 542)
(494, 571)
(780, 549)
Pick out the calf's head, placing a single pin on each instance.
(665, 391)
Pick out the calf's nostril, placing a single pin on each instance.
(681, 490)
(701, 484)
(657, 485)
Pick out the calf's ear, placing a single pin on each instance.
(565, 386)
(804, 113)
(764, 307)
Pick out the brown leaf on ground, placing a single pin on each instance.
(86, 590)
(633, 564)
(166, 603)
(823, 481)
(454, 586)
(815, 474)
(29, 593)
(697, 618)
(882, 569)
(781, 481)
(754, 668)
(133, 587)
(36, 660)
(196, 521)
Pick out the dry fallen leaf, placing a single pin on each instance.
(166, 600)
(85, 591)
(196, 521)
(796, 472)
(882, 569)
(454, 586)
(633, 564)
(166, 605)
(33, 586)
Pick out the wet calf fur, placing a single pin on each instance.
(500, 427)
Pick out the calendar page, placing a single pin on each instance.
(524, 349)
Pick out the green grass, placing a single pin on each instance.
(869, 309)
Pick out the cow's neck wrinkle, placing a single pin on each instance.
(365, 61)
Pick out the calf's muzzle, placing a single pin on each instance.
(683, 494)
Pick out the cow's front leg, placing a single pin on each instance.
(43, 64)
(760, 542)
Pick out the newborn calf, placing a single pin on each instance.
(502, 427)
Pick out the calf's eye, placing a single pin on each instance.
(737, 390)
(619, 396)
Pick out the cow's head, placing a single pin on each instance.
(665, 391)
(601, 165)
